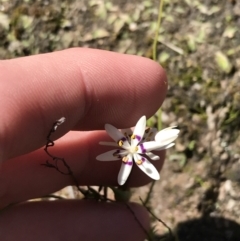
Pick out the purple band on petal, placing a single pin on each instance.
(143, 150)
(130, 163)
(138, 137)
(143, 159)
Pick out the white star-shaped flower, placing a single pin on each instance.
(137, 146)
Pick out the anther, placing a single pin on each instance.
(133, 137)
(125, 159)
(139, 162)
(120, 143)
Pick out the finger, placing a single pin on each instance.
(73, 220)
(25, 177)
(88, 87)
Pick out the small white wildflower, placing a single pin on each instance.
(136, 146)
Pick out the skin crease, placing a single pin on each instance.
(90, 88)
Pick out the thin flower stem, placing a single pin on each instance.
(158, 219)
(138, 221)
(160, 11)
(148, 197)
(159, 119)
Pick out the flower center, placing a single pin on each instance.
(133, 149)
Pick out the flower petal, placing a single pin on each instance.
(149, 146)
(125, 170)
(112, 155)
(108, 143)
(165, 147)
(146, 167)
(152, 156)
(127, 133)
(139, 131)
(166, 136)
(117, 136)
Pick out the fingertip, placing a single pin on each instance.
(136, 86)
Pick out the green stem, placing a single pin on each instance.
(160, 11)
(148, 197)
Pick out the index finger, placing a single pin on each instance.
(88, 87)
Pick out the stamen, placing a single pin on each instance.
(120, 143)
(136, 148)
(125, 159)
(133, 137)
(139, 162)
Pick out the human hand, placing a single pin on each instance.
(89, 88)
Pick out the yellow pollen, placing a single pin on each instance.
(139, 162)
(125, 159)
(120, 143)
(133, 137)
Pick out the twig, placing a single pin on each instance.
(147, 199)
(158, 219)
(56, 159)
(139, 223)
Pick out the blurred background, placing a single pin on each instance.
(199, 46)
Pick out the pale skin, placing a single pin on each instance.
(90, 88)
